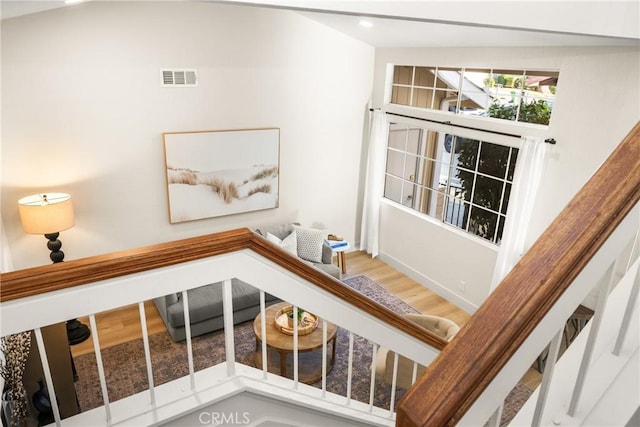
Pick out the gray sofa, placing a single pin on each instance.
(205, 302)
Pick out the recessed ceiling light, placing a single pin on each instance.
(365, 23)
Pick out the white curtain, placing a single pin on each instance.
(526, 180)
(374, 184)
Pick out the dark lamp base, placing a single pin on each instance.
(77, 332)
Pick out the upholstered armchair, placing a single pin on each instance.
(442, 327)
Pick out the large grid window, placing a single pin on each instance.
(462, 182)
(517, 95)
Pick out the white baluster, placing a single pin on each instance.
(631, 304)
(101, 376)
(47, 376)
(350, 368)
(372, 385)
(552, 358)
(147, 352)
(392, 399)
(227, 310)
(263, 328)
(496, 417)
(187, 330)
(324, 358)
(596, 320)
(295, 347)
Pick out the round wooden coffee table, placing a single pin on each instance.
(281, 344)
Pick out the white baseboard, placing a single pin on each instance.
(430, 284)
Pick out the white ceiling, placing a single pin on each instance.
(430, 23)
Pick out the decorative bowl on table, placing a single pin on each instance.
(284, 321)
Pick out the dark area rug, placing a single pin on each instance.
(126, 373)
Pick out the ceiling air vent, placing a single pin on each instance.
(179, 78)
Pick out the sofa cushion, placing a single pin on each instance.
(280, 231)
(310, 241)
(289, 243)
(205, 302)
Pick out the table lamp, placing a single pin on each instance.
(49, 214)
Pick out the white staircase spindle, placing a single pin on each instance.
(394, 381)
(324, 358)
(187, 330)
(626, 318)
(372, 384)
(414, 372)
(552, 358)
(591, 339)
(101, 376)
(263, 328)
(227, 313)
(295, 347)
(47, 376)
(147, 352)
(350, 368)
(496, 417)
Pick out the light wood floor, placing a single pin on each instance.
(122, 325)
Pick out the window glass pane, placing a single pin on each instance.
(425, 76)
(505, 198)
(438, 203)
(466, 152)
(476, 92)
(445, 100)
(398, 137)
(422, 98)
(402, 75)
(400, 95)
(488, 192)
(395, 163)
(393, 188)
(493, 159)
(411, 167)
(408, 193)
(455, 211)
(430, 169)
(512, 164)
(462, 181)
(501, 220)
(448, 78)
(413, 140)
(483, 223)
(431, 147)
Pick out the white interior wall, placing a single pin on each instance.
(596, 106)
(83, 112)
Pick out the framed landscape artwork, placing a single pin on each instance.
(216, 173)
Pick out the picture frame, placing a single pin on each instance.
(221, 172)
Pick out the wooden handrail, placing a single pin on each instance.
(52, 277)
(453, 382)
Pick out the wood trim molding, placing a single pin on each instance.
(453, 382)
(53, 277)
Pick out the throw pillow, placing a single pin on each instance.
(310, 242)
(289, 243)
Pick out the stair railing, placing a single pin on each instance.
(94, 285)
(586, 237)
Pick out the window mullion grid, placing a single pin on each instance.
(504, 189)
(413, 84)
(447, 188)
(460, 84)
(433, 90)
(404, 158)
(519, 97)
(473, 187)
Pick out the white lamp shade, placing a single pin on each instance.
(46, 213)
